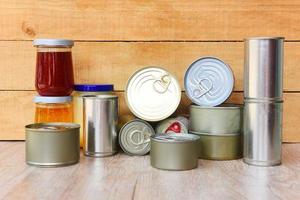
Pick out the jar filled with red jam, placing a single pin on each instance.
(54, 68)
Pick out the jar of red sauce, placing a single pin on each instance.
(54, 68)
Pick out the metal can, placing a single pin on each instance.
(262, 133)
(134, 137)
(223, 119)
(208, 81)
(152, 94)
(173, 125)
(100, 119)
(220, 147)
(263, 71)
(174, 151)
(52, 144)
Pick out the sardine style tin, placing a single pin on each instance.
(174, 151)
(52, 144)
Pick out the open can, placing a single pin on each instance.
(52, 144)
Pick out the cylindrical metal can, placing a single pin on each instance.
(174, 151)
(173, 125)
(262, 132)
(263, 71)
(100, 118)
(52, 144)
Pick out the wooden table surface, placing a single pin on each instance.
(125, 177)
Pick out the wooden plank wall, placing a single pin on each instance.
(115, 38)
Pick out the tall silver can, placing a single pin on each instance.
(262, 132)
(263, 70)
(100, 118)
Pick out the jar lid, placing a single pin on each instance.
(45, 99)
(94, 88)
(53, 42)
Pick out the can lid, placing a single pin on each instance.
(175, 138)
(58, 126)
(134, 137)
(46, 99)
(208, 81)
(152, 94)
(53, 42)
(94, 87)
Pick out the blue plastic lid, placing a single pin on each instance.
(94, 88)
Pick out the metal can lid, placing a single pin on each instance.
(47, 99)
(53, 42)
(134, 137)
(208, 81)
(152, 94)
(175, 138)
(94, 87)
(49, 127)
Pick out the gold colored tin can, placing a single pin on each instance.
(52, 144)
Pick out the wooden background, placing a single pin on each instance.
(115, 38)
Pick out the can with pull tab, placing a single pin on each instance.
(173, 125)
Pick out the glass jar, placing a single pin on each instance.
(54, 68)
(82, 90)
(53, 109)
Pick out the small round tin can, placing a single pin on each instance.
(152, 94)
(223, 119)
(52, 144)
(208, 81)
(174, 151)
(220, 147)
(134, 137)
(173, 125)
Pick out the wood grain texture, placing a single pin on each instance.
(102, 62)
(149, 20)
(131, 177)
(18, 110)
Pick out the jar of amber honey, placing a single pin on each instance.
(53, 109)
(54, 68)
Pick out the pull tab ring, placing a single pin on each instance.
(202, 89)
(141, 137)
(163, 82)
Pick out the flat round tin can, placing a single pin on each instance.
(134, 137)
(152, 94)
(208, 81)
(172, 125)
(173, 151)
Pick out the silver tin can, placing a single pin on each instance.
(152, 94)
(208, 81)
(220, 120)
(263, 73)
(262, 132)
(173, 125)
(174, 151)
(134, 137)
(100, 118)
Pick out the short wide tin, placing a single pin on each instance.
(52, 144)
(220, 147)
(174, 151)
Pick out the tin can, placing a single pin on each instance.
(174, 151)
(262, 133)
(208, 81)
(220, 147)
(263, 73)
(223, 119)
(173, 125)
(152, 94)
(52, 144)
(100, 119)
(134, 137)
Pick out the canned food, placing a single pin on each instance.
(152, 94)
(174, 151)
(134, 137)
(173, 125)
(220, 147)
(52, 144)
(223, 119)
(208, 81)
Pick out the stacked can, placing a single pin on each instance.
(263, 82)
(208, 83)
